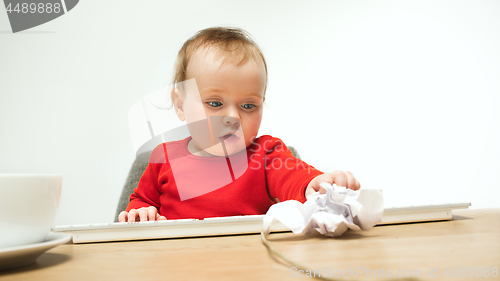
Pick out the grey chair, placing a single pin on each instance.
(135, 174)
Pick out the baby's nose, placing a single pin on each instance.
(231, 116)
(230, 120)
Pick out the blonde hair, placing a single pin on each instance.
(234, 45)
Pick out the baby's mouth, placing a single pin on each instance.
(229, 137)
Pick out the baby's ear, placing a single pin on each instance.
(178, 103)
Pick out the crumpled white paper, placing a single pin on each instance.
(331, 214)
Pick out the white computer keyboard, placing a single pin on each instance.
(122, 231)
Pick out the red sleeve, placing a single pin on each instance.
(287, 177)
(148, 192)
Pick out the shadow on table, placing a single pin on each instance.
(348, 235)
(44, 261)
(457, 218)
(290, 237)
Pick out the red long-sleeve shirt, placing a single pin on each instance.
(182, 185)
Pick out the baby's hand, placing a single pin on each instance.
(143, 214)
(345, 179)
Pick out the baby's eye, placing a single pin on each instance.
(214, 103)
(248, 106)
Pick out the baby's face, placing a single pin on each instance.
(231, 97)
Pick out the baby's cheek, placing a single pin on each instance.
(253, 129)
(197, 113)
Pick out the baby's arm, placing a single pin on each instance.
(143, 214)
(345, 179)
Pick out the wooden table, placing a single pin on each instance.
(471, 240)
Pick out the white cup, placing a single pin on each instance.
(28, 205)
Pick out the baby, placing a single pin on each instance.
(223, 168)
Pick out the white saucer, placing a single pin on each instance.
(26, 254)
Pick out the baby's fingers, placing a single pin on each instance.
(123, 216)
(132, 214)
(147, 213)
(160, 218)
(339, 178)
(152, 213)
(143, 214)
(352, 182)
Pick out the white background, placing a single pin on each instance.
(405, 94)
